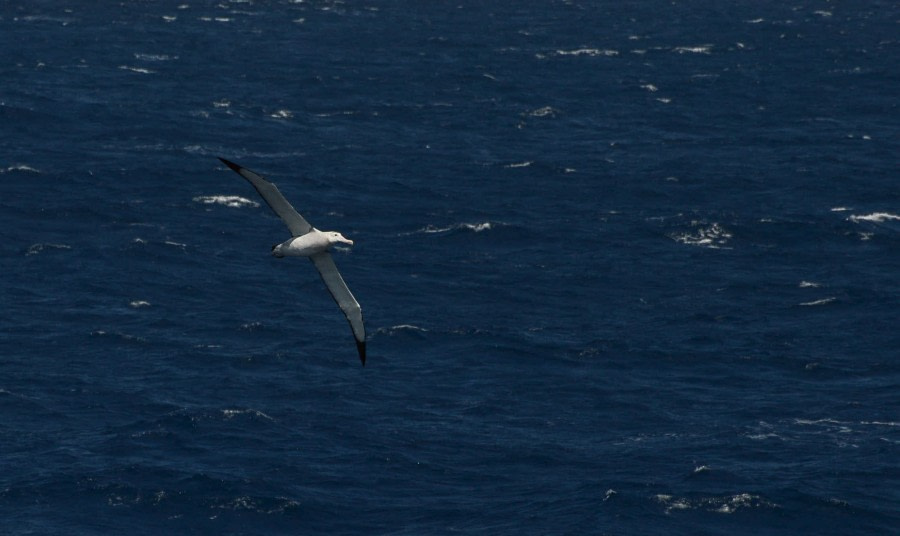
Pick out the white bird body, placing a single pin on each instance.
(307, 241)
(315, 241)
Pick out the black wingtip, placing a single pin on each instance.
(232, 165)
(361, 346)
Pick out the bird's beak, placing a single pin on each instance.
(348, 241)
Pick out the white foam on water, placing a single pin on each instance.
(400, 328)
(34, 249)
(700, 49)
(876, 217)
(140, 70)
(592, 52)
(232, 413)
(519, 164)
(281, 114)
(546, 111)
(476, 227)
(712, 236)
(154, 57)
(727, 504)
(233, 201)
(22, 168)
(823, 301)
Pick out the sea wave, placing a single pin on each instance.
(699, 49)
(34, 249)
(727, 504)
(233, 201)
(876, 217)
(471, 227)
(154, 57)
(22, 168)
(399, 329)
(519, 164)
(140, 70)
(823, 301)
(588, 52)
(712, 236)
(232, 413)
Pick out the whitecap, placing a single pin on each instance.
(823, 301)
(650, 87)
(475, 227)
(722, 505)
(519, 164)
(880, 423)
(22, 168)
(712, 236)
(744, 500)
(34, 249)
(546, 111)
(118, 335)
(760, 437)
(671, 503)
(136, 69)
(232, 413)
(196, 149)
(588, 52)
(154, 57)
(139, 303)
(407, 326)
(876, 217)
(233, 201)
(282, 114)
(809, 284)
(393, 330)
(700, 49)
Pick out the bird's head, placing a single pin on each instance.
(334, 237)
(276, 251)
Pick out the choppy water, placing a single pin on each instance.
(627, 268)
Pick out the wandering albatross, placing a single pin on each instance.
(307, 241)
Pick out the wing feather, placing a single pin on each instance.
(269, 192)
(344, 298)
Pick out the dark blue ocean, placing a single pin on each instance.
(626, 267)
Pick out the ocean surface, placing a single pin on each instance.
(626, 267)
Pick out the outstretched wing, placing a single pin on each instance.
(273, 197)
(345, 300)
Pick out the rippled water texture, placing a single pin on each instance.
(626, 268)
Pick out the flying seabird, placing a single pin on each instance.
(307, 241)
